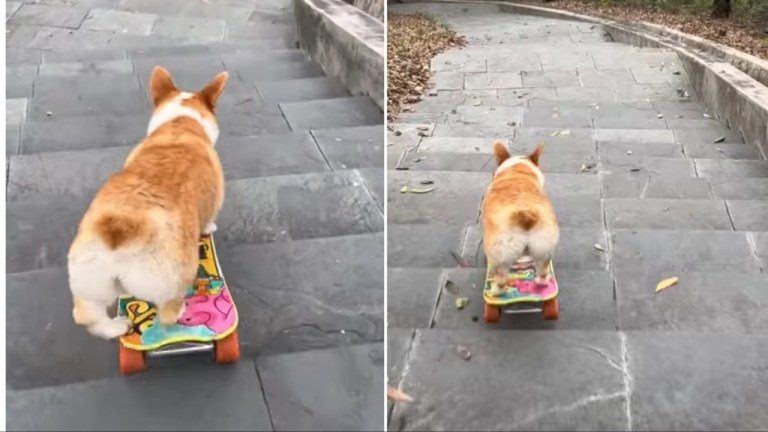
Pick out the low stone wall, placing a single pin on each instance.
(374, 8)
(347, 42)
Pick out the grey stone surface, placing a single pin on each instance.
(749, 215)
(297, 207)
(678, 214)
(412, 296)
(302, 246)
(342, 304)
(642, 192)
(196, 30)
(82, 95)
(673, 393)
(540, 379)
(301, 89)
(61, 39)
(355, 147)
(422, 245)
(57, 133)
(331, 113)
(697, 303)
(52, 16)
(343, 385)
(119, 21)
(693, 251)
(113, 403)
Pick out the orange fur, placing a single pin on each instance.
(153, 211)
(518, 218)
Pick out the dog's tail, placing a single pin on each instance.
(525, 219)
(117, 230)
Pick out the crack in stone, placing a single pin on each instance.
(586, 401)
(627, 378)
(322, 330)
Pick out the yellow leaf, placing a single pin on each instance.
(666, 283)
(461, 302)
(404, 189)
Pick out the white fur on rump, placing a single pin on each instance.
(521, 160)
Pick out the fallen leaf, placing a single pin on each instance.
(422, 128)
(555, 133)
(422, 191)
(599, 247)
(629, 152)
(565, 132)
(404, 189)
(427, 182)
(719, 140)
(419, 159)
(461, 302)
(706, 115)
(555, 115)
(660, 116)
(397, 395)
(463, 352)
(676, 73)
(459, 260)
(451, 287)
(635, 169)
(666, 283)
(478, 102)
(49, 113)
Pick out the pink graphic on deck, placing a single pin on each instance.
(215, 312)
(529, 287)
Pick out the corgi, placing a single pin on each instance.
(140, 234)
(519, 221)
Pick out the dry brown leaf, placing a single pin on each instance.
(666, 283)
(463, 352)
(397, 395)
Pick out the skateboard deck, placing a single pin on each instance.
(209, 315)
(521, 288)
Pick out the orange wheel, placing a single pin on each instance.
(551, 309)
(228, 349)
(491, 313)
(131, 361)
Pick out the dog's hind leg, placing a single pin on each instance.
(93, 291)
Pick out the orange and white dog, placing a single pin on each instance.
(518, 218)
(140, 234)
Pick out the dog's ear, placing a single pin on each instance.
(210, 94)
(534, 156)
(501, 152)
(161, 85)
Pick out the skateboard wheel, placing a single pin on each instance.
(228, 349)
(491, 313)
(551, 309)
(131, 361)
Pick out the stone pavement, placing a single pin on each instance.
(632, 165)
(301, 235)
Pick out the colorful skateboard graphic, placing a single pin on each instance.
(521, 288)
(209, 320)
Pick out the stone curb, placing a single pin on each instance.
(346, 42)
(728, 82)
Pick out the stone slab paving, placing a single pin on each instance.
(631, 165)
(300, 239)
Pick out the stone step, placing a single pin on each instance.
(303, 89)
(343, 305)
(332, 113)
(79, 173)
(291, 207)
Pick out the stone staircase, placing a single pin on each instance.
(300, 236)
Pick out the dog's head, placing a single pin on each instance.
(516, 165)
(170, 103)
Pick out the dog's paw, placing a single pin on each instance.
(210, 228)
(111, 329)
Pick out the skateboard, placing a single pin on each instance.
(522, 290)
(209, 321)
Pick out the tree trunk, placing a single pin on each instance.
(721, 8)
